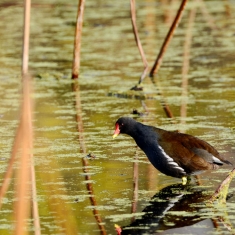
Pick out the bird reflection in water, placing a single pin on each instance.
(175, 209)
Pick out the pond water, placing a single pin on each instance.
(202, 100)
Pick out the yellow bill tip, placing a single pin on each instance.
(115, 135)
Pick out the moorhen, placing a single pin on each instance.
(172, 153)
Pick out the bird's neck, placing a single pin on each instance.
(142, 132)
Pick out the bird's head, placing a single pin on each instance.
(123, 125)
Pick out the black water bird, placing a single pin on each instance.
(172, 153)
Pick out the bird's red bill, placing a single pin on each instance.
(117, 131)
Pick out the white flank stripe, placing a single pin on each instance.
(171, 161)
(215, 159)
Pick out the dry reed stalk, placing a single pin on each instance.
(222, 191)
(163, 102)
(22, 196)
(59, 207)
(185, 68)
(166, 42)
(85, 164)
(135, 185)
(206, 14)
(35, 213)
(19, 135)
(26, 92)
(221, 194)
(77, 40)
(25, 59)
(227, 7)
(138, 42)
(167, 109)
(168, 11)
(8, 174)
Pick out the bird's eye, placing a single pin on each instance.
(121, 125)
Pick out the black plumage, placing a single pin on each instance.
(172, 153)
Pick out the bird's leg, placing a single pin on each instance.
(184, 180)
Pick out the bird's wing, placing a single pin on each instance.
(190, 152)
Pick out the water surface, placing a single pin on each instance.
(111, 64)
